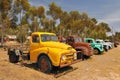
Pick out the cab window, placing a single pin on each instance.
(70, 39)
(97, 41)
(90, 41)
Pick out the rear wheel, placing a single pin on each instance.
(44, 64)
(13, 58)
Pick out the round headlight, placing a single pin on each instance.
(75, 55)
(63, 57)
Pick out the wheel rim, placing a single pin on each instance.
(44, 64)
(96, 51)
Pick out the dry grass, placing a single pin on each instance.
(98, 67)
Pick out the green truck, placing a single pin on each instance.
(98, 48)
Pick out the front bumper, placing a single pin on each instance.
(69, 63)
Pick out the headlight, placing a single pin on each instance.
(17, 52)
(75, 55)
(63, 57)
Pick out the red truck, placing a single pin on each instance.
(84, 50)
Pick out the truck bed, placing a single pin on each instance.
(24, 48)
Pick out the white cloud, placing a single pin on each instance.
(110, 18)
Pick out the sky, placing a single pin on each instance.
(107, 11)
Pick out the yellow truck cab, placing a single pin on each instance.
(47, 51)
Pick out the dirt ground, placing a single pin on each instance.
(98, 67)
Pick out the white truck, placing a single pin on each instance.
(106, 45)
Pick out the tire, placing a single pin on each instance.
(106, 49)
(13, 58)
(109, 47)
(44, 64)
(80, 55)
(86, 57)
(115, 45)
(96, 51)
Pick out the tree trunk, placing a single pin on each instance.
(2, 37)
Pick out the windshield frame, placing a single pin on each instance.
(78, 39)
(48, 37)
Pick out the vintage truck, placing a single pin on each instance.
(84, 50)
(106, 46)
(98, 47)
(46, 51)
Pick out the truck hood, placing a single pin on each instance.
(98, 44)
(56, 45)
(82, 44)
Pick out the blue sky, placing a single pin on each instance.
(103, 10)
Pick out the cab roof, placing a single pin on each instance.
(43, 33)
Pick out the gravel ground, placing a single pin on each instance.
(99, 67)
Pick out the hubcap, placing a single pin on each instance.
(95, 51)
(44, 64)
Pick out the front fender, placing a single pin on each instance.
(54, 54)
(84, 50)
(99, 48)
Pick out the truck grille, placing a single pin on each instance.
(70, 56)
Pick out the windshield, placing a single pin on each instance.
(98, 42)
(78, 40)
(47, 37)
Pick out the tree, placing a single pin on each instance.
(75, 15)
(94, 20)
(117, 36)
(21, 7)
(105, 26)
(36, 15)
(54, 11)
(25, 29)
(5, 6)
(84, 16)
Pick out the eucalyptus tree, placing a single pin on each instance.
(35, 15)
(75, 15)
(5, 6)
(55, 12)
(74, 21)
(21, 7)
(117, 36)
(94, 20)
(48, 25)
(101, 30)
(64, 27)
(105, 26)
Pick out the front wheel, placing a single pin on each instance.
(106, 49)
(96, 51)
(44, 64)
(80, 55)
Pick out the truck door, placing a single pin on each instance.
(35, 42)
(34, 46)
(91, 42)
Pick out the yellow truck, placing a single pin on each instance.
(46, 51)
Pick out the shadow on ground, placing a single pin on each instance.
(56, 72)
